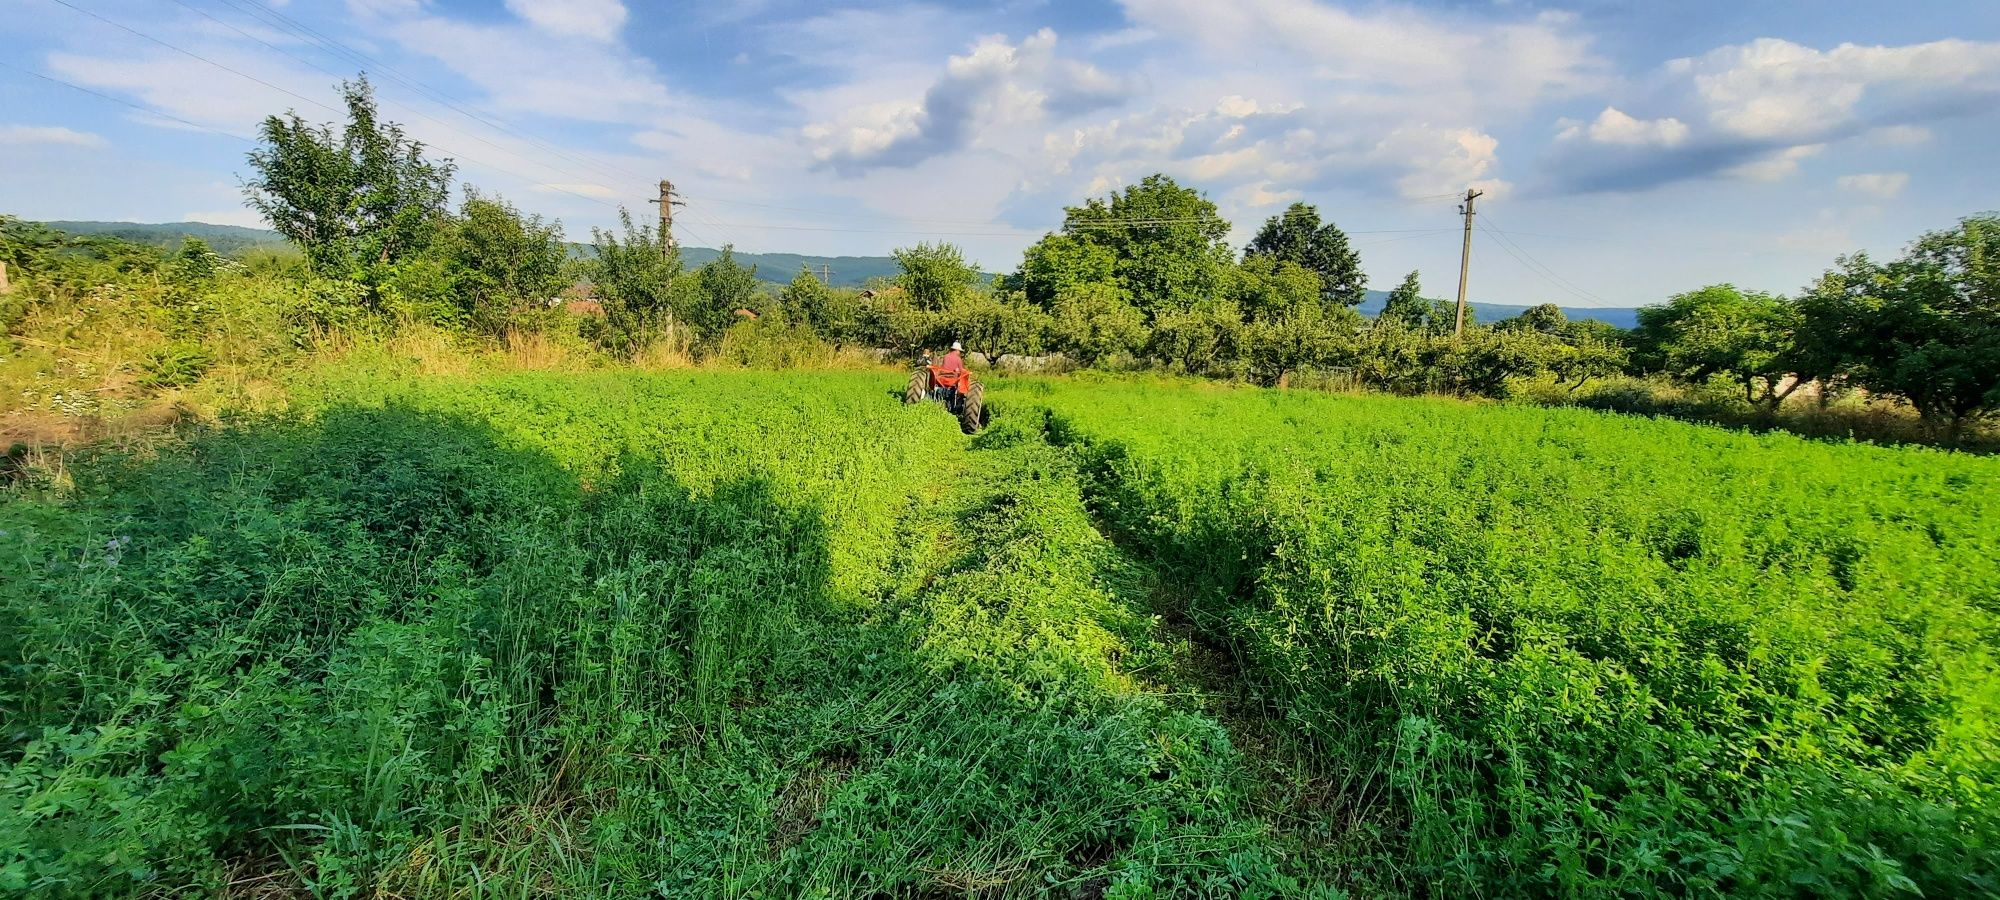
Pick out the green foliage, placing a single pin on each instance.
(935, 276)
(1719, 330)
(1094, 324)
(178, 364)
(503, 263)
(1406, 305)
(358, 203)
(997, 326)
(1556, 652)
(1059, 262)
(1167, 246)
(714, 292)
(1925, 327)
(1297, 236)
(634, 274)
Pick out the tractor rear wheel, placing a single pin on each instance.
(972, 409)
(920, 387)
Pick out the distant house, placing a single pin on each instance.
(581, 299)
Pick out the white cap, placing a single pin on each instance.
(957, 346)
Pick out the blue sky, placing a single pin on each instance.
(1628, 150)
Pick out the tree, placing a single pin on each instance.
(1199, 339)
(502, 261)
(934, 275)
(1059, 262)
(1307, 336)
(1544, 318)
(1166, 242)
(1094, 323)
(1406, 304)
(1925, 327)
(635, 281)
(1300, 237)
(356, 203)
(1267, 288)
(1720, 330)
(719, 288)
(997, 327)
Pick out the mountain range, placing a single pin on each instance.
(774, 268)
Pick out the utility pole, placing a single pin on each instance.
(667, 204)
(825, 274)
(1465, 258)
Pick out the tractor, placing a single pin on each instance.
(957, 390)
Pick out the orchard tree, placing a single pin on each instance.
(1406, 304)
(1925, 327)
(998, 326)
(356, 202)
(1544, 318)
(1746, 336)
(935, 275)
(502, 261)
(1298, 236)
(718, 289)
(1267, 288)
(1200, 339)
(1095, 323)
(634, 278)
(1059, 262)
(1167, 243)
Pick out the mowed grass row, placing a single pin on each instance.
(1555, 651)
(606, 635)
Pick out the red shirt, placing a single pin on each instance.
(952, 362)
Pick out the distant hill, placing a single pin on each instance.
(1494, 312)
(224, 239)
(775, 268)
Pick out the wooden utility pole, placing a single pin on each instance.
(1465, 258)
(667, 204)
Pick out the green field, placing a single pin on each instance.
(774, 635)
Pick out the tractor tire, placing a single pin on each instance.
(920, 388)
(972, 409)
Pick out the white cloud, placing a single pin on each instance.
(597, 20)
(1901, 135)
(1457, 62)
(994, 85)
(1776, 89)
(1614, 126)
(1880, 185)
(48, 134)
(1777, 166)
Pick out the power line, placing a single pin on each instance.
(1543, 272)
(1508, 240)
(191, 54)
(119, 100)
(339, 48)
(411, 109)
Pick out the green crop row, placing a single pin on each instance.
(609, 636)
(1566, 652)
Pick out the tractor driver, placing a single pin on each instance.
(953, 362)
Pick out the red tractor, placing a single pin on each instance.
(956, 389)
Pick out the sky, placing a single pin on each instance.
(1627, 151)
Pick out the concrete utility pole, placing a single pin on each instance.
(667, 204)
(825, 274)
(1465, 258)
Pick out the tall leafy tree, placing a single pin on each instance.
(1720, 330)
(935, 275)
(1406, 304)
(1299, 236)
(503, 260)
(635, 281)
(1925, 327)
(720, 287)
(1059, 262)
(1166, 243)
(353, 202)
